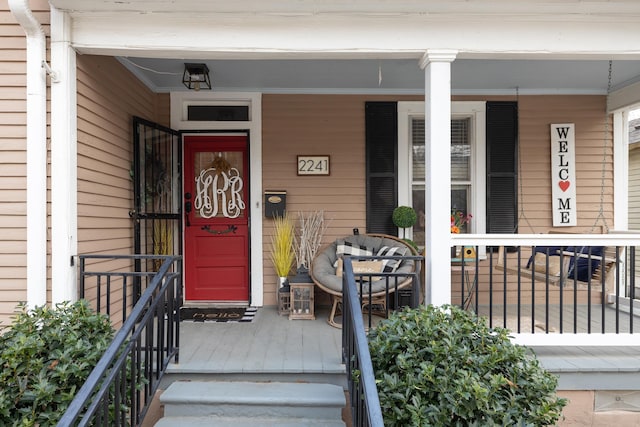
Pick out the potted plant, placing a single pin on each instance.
(282, 248)
(458, 224)
(405, 217)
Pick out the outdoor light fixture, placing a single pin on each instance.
(196, 76)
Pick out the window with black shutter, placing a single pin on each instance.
(500, 120)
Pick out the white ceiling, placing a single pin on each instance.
(399, 76)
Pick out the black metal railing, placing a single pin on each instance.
(113, 283)
(121, 387)
(356, 294)
(585, 286)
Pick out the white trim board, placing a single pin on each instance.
(179, 101)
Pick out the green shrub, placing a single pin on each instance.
(439, 366)
(46, 356)
(413, 244)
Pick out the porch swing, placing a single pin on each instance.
(561, 265)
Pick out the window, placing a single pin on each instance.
(214, 113)
(467, 162)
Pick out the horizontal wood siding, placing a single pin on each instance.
(535, 114)
(334, 125)
(316, 125)
(588, 114)
(13, 158)
(108, 98)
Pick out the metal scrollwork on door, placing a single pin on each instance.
(230, 229)
(219, 191)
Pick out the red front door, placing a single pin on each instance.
(216, 256)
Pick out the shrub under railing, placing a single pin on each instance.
(121, 386)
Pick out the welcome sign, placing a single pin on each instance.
(563, 175)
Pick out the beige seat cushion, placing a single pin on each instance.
(554, 264)
(362, 267)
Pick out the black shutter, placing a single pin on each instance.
(381, 134)
(502, 167)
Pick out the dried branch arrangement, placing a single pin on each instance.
(309, 238)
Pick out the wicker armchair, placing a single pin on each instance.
(323, 270)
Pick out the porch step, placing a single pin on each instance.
(251, 403)
(249, 422)
(592, 368)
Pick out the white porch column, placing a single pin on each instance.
(64, 212)
(437, 66)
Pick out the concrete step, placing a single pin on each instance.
(245, 422)
(253, 400)
(322, 375)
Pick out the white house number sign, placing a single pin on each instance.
(313, 165)
(219, 192)
(563, 175)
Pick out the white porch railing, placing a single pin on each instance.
(546, 305)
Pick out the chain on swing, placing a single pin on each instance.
(601, 215)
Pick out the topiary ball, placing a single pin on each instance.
(404, 217)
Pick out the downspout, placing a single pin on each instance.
(36, 154)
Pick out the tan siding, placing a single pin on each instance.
(163, 115)
(324, 125)
(536, 114)
(108, 98)
(13, 157)
(334, 125)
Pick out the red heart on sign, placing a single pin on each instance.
(564, 185)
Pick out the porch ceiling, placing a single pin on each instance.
(469, 76)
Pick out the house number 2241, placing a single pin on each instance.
(313, 165)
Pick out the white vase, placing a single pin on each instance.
(283, 283)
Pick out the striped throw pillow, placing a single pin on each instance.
(390, 265)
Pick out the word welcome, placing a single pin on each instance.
(563, 175)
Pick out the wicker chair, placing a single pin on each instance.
(323, 270)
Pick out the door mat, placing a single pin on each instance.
(225, 315)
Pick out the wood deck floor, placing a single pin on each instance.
(274, 348)
(271, 347)
(578, 319)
